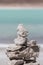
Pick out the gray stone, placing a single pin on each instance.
(21, 35)
(17, 62)
(31, 63)
(12, 55)
(13, 48)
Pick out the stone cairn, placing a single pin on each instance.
(23, 52)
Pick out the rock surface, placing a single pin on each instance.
(32, 64)
(17, 62)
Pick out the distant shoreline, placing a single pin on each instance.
(21, 6)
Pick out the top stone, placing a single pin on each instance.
(21, 35)
(21, 30)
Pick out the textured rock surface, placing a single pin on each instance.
(22, 34)
(13, 48)
(31, 63)
(17, 62)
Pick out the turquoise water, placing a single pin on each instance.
(31, 18)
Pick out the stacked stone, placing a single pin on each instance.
(23, 51)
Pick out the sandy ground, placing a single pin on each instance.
(5, 61)
(3, 58)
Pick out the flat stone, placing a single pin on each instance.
(13, 48)
(17, 62)
(12, 55)
(20, 41)
(32, 63)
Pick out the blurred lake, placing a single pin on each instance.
(31, 18)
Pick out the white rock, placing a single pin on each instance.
(21, 35)
(13, 47)
(22, 31)
(20, 40)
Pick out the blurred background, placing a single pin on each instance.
(21, 1)
(31, 18)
